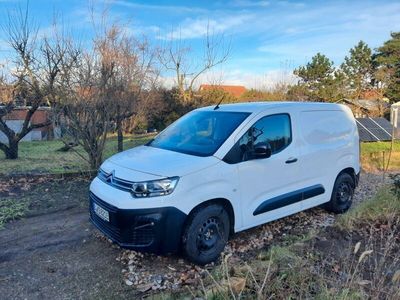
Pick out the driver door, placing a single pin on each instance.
(266, 183)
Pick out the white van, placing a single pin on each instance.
(223, 169)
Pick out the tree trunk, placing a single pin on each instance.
(95, 161)
(12, 150)
(120, 135)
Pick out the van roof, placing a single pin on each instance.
(261, 106)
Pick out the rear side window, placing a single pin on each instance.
(274, 130)
(326, 127)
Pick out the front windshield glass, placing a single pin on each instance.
(199, 133)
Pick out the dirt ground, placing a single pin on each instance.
(54, 252)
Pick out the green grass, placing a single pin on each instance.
(374, 154)
(383, 206)
(379, 147)
(43, 157)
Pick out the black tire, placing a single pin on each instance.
(205, 234)
(342, 194)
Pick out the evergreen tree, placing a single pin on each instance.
(319, 80)
(393, 89)
(357, 69)
(387, 61)
(315, 72)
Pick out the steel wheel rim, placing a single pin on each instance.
(343, 193)
(209, 235)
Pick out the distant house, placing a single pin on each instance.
(370, 104)
(16, 118)
(234, 90)
(363, 108)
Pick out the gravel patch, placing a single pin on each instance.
(369, 185)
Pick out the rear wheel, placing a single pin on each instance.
(206, 233)
(342, 194)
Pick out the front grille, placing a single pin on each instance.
(116, 182)
(102, 203)
(107, 228)
(143, 234)
(135, 230)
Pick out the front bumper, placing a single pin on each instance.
(156, 230)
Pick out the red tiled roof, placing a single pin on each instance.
(235, 90)
(41, 115)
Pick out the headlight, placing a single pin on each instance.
(154, 188)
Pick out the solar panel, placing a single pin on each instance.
(374, 129)
(384, 123)
(364, 135)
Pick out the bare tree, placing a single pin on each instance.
(134, 71)
(177, 58)
(102, 87)
(84, 109)
(30, 78)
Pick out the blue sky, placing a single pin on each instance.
(268, 38)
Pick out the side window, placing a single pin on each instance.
(274, 130)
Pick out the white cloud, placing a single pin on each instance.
(164, 8)
(331, 30)
(262, 81)
(197, 28)
(137, 30)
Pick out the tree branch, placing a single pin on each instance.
(6, 130)
(39, 125)
(3, 147)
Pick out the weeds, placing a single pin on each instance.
(306, 273)
(358, 258)
(11, 209)
(384, 207)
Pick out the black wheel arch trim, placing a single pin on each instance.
(289, 198)
(228, 206)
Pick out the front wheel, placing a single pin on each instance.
(205, 234)
(342, 194)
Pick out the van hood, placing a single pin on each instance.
(160, 162)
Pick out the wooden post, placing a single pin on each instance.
(383, 164)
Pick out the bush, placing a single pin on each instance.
(213, 97)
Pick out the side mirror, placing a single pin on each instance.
(262, 150)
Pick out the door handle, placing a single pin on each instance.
(291, 160)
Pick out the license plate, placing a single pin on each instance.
(101, 212)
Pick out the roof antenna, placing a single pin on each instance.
(217, 106)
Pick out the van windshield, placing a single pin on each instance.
(199, 133)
